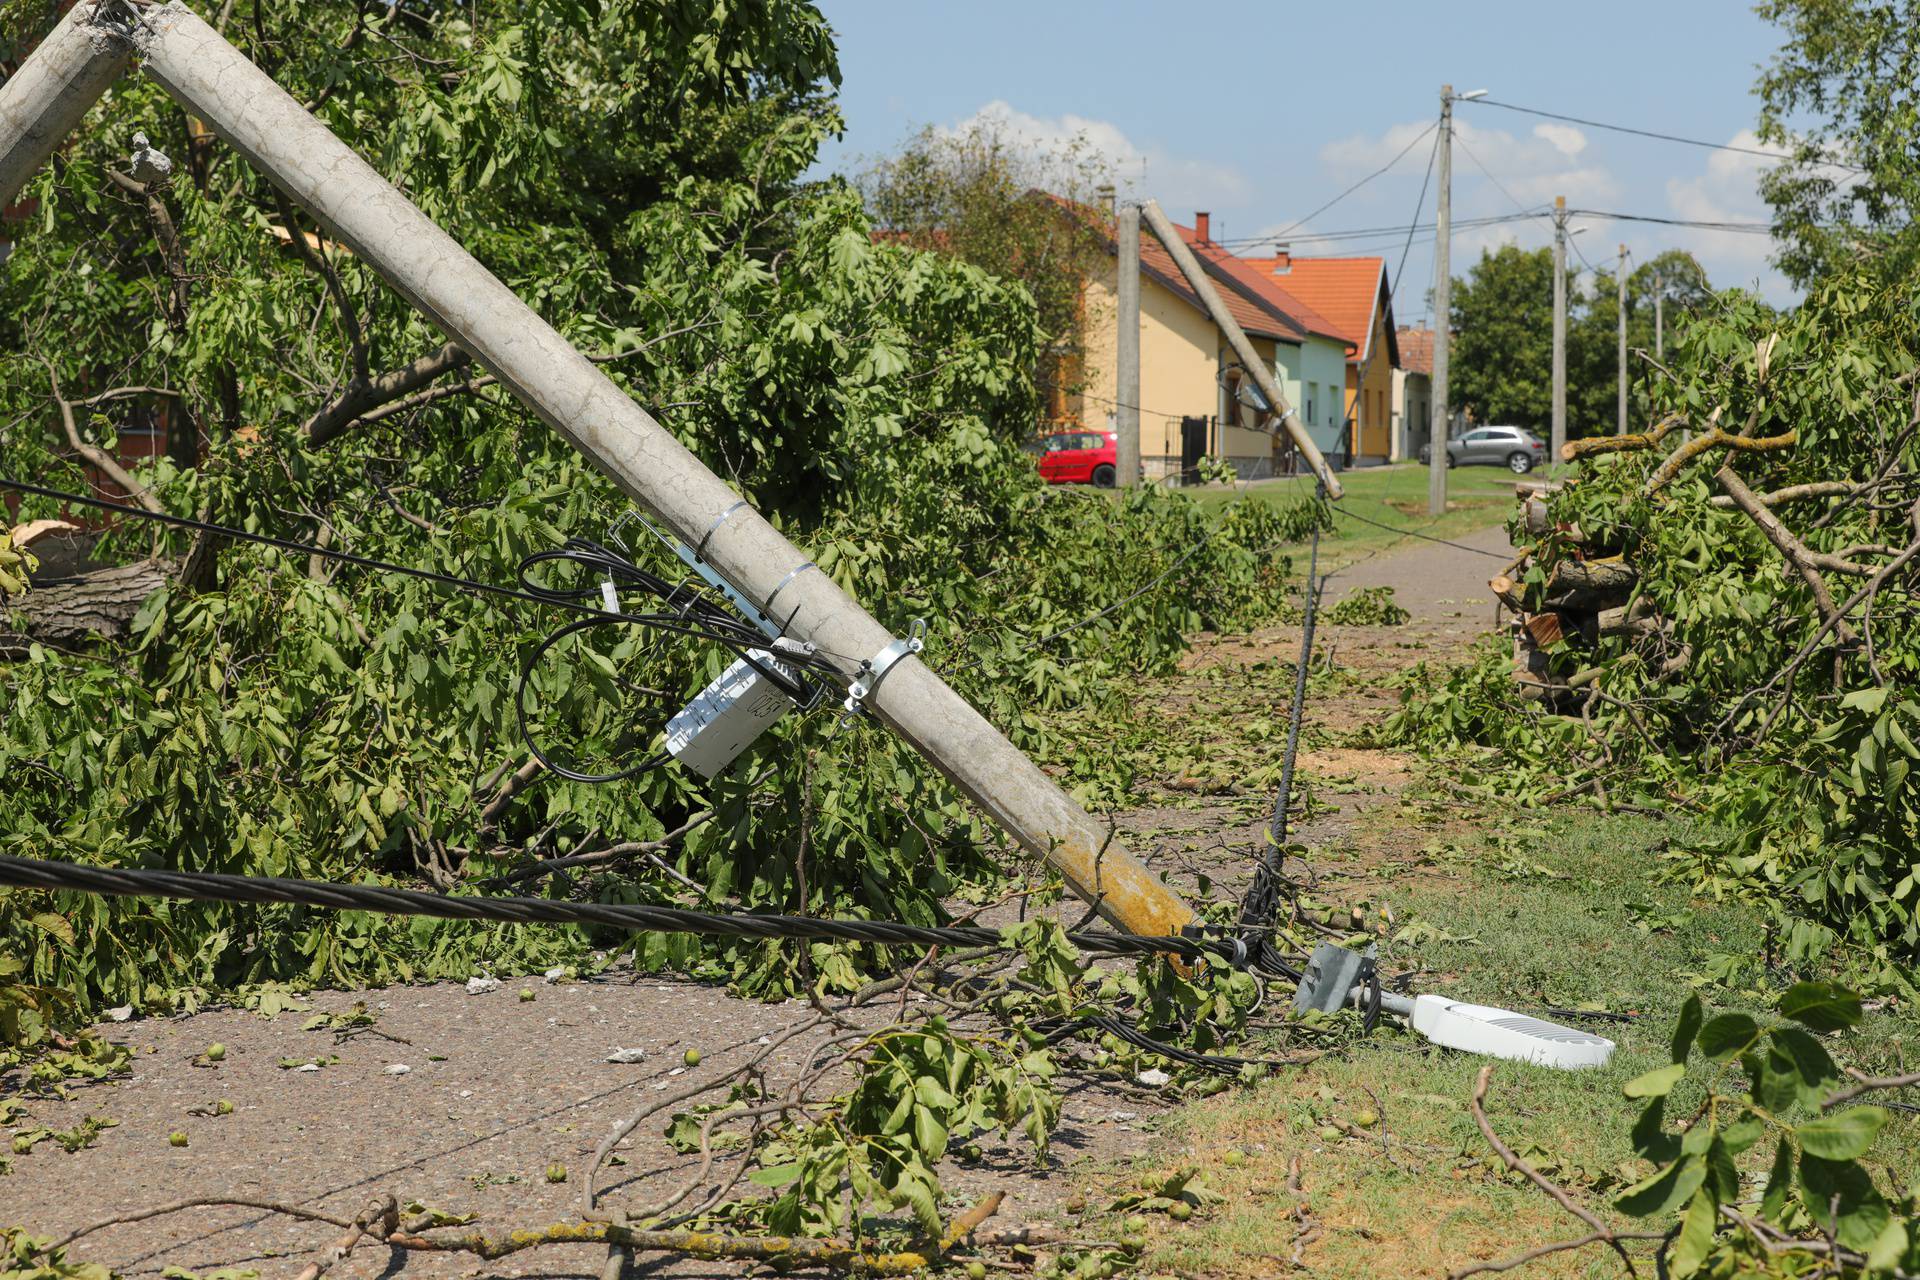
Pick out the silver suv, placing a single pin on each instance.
(1515, 449)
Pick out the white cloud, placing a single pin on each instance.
(1533, 169)
(1566, 139)
(1727, 190)
(1177, 181)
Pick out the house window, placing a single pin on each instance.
(1313, 392)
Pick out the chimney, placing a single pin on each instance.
(1202, 227)
(1282, 260)
(1105, 191)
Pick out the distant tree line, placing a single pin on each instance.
(1502, 367)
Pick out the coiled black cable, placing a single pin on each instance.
(690, 612)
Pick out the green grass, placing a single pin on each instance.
(1552, 913)
(1395, 496)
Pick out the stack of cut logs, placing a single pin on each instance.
(1585, 598)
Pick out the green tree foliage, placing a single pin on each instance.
(1744, 1094)
(1503, 335)
(1841, 96)
(634, 171)
(1502, 368)
(1023, 215)
(1734, 697)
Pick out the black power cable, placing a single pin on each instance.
(202, 886)
(688, 602)
(1263, 896)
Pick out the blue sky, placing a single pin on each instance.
(1260, 113)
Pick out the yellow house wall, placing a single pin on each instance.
(1370, 408)
(1179, 373)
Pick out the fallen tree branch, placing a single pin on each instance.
(1602, 1233)
(396, 393)
(1547, 1250)
(1573, 450)
(336, 291)
(1796, 552)
(964, 1225)
(100, 459)
(366, 394)
(385, 1211)
(167, 237)
(1868, 1084)
(643, 848)
(1679, 458)
(1794, 493)
(196, 1202)
(707, 1245)
(1813, 642)
(91, 606)
(517, 783)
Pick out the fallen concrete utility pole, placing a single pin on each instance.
(217, 84)
(45, 100)
(1250, 360)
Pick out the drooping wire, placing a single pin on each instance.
(1647, 133)
(1300, 222)
(713, 621)
(1263, 896)
(1348, 513)
(688, 611)
(206, 886)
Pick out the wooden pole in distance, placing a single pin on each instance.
(1559, 441)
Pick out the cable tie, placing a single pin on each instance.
(766, 610)
(700, 549)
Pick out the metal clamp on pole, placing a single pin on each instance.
(875, 668)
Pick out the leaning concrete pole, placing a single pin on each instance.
(1250, 360)
(215, 82)
(45, 100)
(1126, 364)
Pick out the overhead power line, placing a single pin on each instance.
(1647, 133)
(1391, 232)
(1282, 234)
(1746, 228)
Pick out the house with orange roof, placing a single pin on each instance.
(1354, 294)
(1195, 399)
(1413, 393)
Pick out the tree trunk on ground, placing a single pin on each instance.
(74, 611)
(1590, 584)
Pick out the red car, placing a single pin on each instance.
(1078, 457)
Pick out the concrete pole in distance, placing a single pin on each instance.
(1659, 318)
(1559, 443)
(215, 82)
(1620, 427)
(1126, 382)
(1441, 429)
(49, 95)
(1164, 231)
